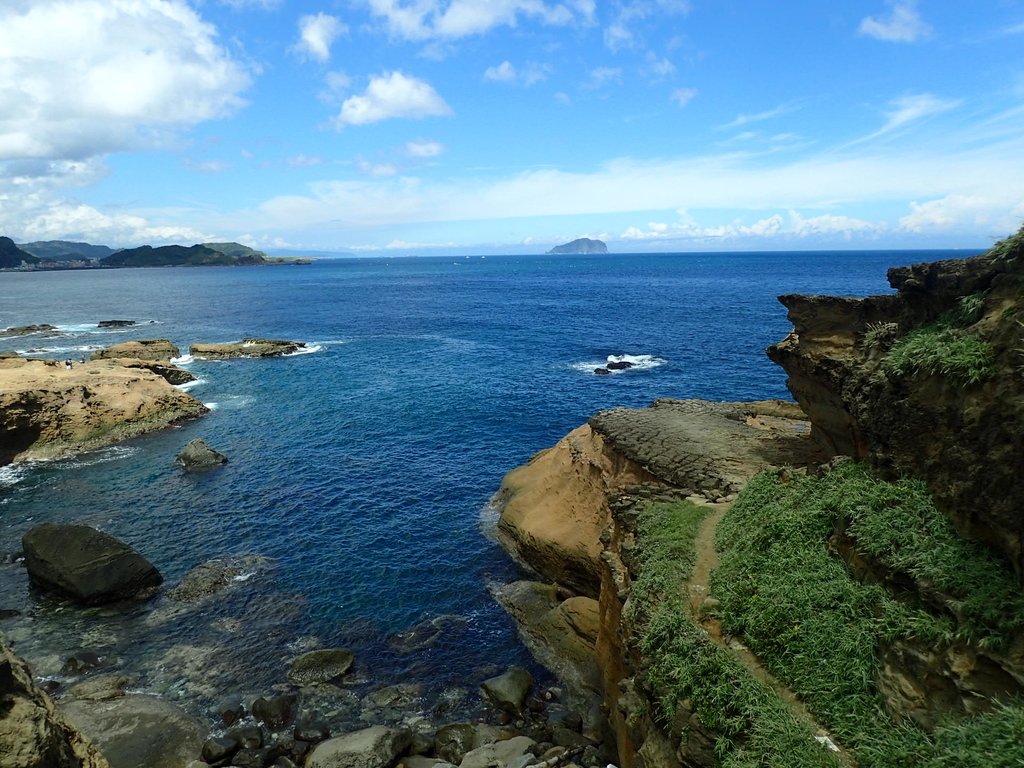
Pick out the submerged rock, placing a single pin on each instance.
(115, 323)
(214, 576)
(197, 456)
(320, 666)
(86, 565)
(139, 730)
(33, 732)
(25, 330)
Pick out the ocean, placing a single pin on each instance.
(362, 471)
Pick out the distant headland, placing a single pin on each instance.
(582, 245)
(64, 254)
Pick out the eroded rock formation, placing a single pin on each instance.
(246, 348)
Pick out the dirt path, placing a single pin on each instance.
(699, 589)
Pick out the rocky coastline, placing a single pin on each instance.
(828, 582)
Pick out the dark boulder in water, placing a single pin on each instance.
(115, 323)
(86, 565)
(619, 365)
(320, 666)
(197, 456)
(601, 372)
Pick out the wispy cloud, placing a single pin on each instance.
(602, 76)
(758, 117)
(317, 34)
(423, 148)
(906, 110)
(506, 72)
(424, 20)
(903, 24)
(391, 95)
(683, 96)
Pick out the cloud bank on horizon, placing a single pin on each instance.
(510, 125)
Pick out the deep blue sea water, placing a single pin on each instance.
(363, 470)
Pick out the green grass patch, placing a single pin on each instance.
(945, 348)
(753, 726)
(819, 630)
(1010, 247)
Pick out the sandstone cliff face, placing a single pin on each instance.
(33, 733)
(928, 382)
(47, 410)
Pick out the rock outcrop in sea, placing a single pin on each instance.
(50, 409)
(246, 348)
(760, 596)
(581, 245)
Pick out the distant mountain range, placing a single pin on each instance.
(582, 245)
(66, 254)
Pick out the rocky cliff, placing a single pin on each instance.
(33, 733)
(764, 601)
(928, 382)
(48, 409)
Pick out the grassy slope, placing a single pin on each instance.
(819, 630)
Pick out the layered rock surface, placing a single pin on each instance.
(246, 348)
(48, 410)
(142, 349)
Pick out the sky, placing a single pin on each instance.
(509, 126)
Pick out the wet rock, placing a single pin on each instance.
(137, 730)
(376, 747)
(601, 372)
(231, 712)
(453, 741)
(508, 691)
(247, 736)
(172, 374)
(197, 456)
(426, 633)
(218, 749)
(83, 661)
(33, 732)
(320, 666)
(87, 565)
(115, 323)
(619, 365)
(401, 696)
(312, 731)
(250, 758)
(275, 712)
(143, 349)
(9, 613)
(100, 687)
(419, 761)
(25, 330)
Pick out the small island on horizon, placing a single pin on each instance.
(581, 245)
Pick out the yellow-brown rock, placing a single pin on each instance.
(142, 349)
(49, 410)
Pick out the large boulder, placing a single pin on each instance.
(377, 747)
(246, 348)
(33, 732)
(142, 349)
(139, 730)
(197, 456)
(86, 564)
(454, 741)
(508, 691)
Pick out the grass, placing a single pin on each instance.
(1010, 247)
(819, 630)
(945, 348)
(752, 725)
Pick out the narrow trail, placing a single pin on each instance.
(699, 589)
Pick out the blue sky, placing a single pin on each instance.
(506, 126)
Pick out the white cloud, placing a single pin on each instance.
(336, 86)
(620, 33)
(683, 96)
(455, 19)
(317, 34)
(506, 72)
(828, 226)
(996, 213)
(903, 24)
(424, 148)
(366, 168)
(659, 66)
(602, 76)
(392, 95)
(81, 78)
(303, 161)
(502, 73)
(207, 166)
(239, 5)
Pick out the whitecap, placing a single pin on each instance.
(212, 406)
(183, 360)
(637, 363)
(190, 384)
(244, 576)
(13, 474)
(110, 453)
(307, 350)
